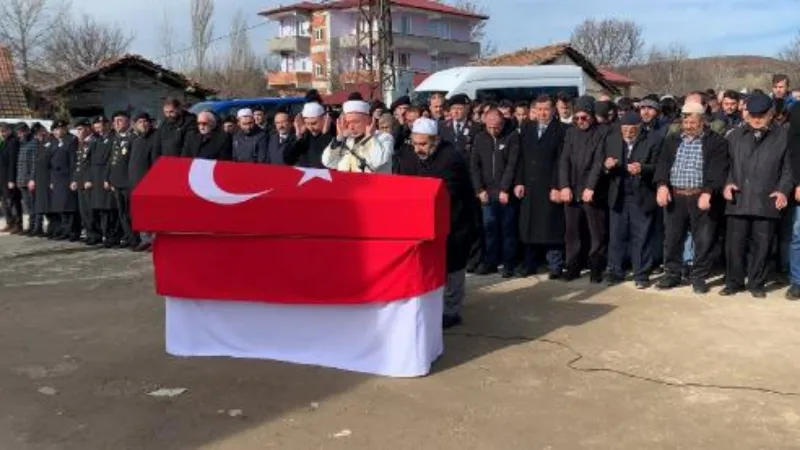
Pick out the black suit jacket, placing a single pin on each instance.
(715, 161)
(581, 163)
(645, 151)
(461, 142)
(217, 145)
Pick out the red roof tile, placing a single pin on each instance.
(615, 78)
(12, 96)
(426, 5)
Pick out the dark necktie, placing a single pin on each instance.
(458, 129)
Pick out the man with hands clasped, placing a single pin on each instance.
(630, 159)
(690, 174)
(358, 147)
(757, 190)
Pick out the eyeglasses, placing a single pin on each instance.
(203, 124)
(582, 118)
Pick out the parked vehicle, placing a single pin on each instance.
(501, 82)
(270, 105)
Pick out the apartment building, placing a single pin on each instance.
(318, 48)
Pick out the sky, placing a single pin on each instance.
(705, 27)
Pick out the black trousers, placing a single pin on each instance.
(631, 231)
(124, 210)
(109, 224)
(748, 250)
(54, 225)
(70, 225)
(596, 218)
(12, 207)
(683, 215)
(88, 219)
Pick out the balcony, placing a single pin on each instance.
(421, 43)
(289, 79)
(290, 44)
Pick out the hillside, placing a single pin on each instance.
(716, 72)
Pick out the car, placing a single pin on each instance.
(270, 105)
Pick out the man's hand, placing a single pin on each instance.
(73, 186)
(484, 197)
(555, 196)
(566, 195)
(87, 185)
(704, 202)
(326, 124)
(587, 196)
(635, 168)
(31, 185)
(299, 125)
(780, 200)
(797, 194)
(106, 186)
(729, 191)
(662, 196)
(519, 191)
(610, 163)
(503, 198)
(11, 185)
(341, 131)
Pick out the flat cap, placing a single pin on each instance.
(631, 118)
(693, 108)
(758, 104)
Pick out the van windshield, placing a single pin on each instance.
(527, 94)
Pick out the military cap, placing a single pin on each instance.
(459, 99)
(5, 125)
(100, 119)
(758, 104)
(145, 116)
(37, 127)
(625, 103)
(631, 118)
(59, 123)
(585, 103)
(401, 101)
(82, 123)
(120, 114)
(22, 126)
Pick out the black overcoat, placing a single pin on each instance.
(541, 221)
(41, 177)
(143, 154)
(99, 154)
(62, 164)
(447, 164)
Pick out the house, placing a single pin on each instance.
(620, 81)
(126, 83)
(561, 53)
(13, 103)
(318, 48)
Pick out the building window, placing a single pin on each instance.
(440, 29)
(319, 34)
(302, 63)
(404, 60)
(405, 25)
(439, 63)
(318, 70)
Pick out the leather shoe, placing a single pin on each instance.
(730, 290)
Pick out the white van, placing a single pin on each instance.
(502, 82)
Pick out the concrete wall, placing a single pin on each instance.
(293, 26)
(344, 23)
(592, 86)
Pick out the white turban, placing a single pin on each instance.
(244, 112)
(356, 106)
(313, 110)
(426, 126)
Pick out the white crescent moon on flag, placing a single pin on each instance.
(202, 183)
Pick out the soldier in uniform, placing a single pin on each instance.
(39, 183)
(63, 190)
(81, 176)
(103, 203)
(118, 177)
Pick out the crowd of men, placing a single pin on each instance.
(640, 185)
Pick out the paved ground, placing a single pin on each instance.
(538, 365)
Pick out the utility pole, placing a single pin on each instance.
(375, 48)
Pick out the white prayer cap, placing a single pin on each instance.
(355, 106)
(426, 126)
(693, 108)
(244, 112)
(313, 110)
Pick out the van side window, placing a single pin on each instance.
(516, 94)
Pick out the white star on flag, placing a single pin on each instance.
(309, 174)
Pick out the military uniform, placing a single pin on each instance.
(118, 179)
(63, 199)
(81, 175)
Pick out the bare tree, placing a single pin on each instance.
(668, 71)
(791, 54)
(75, 46)
(166, 35)
(202, 12)
(609, 42)
(717, 73)
(25, 26)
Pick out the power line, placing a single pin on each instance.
(212, 41)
